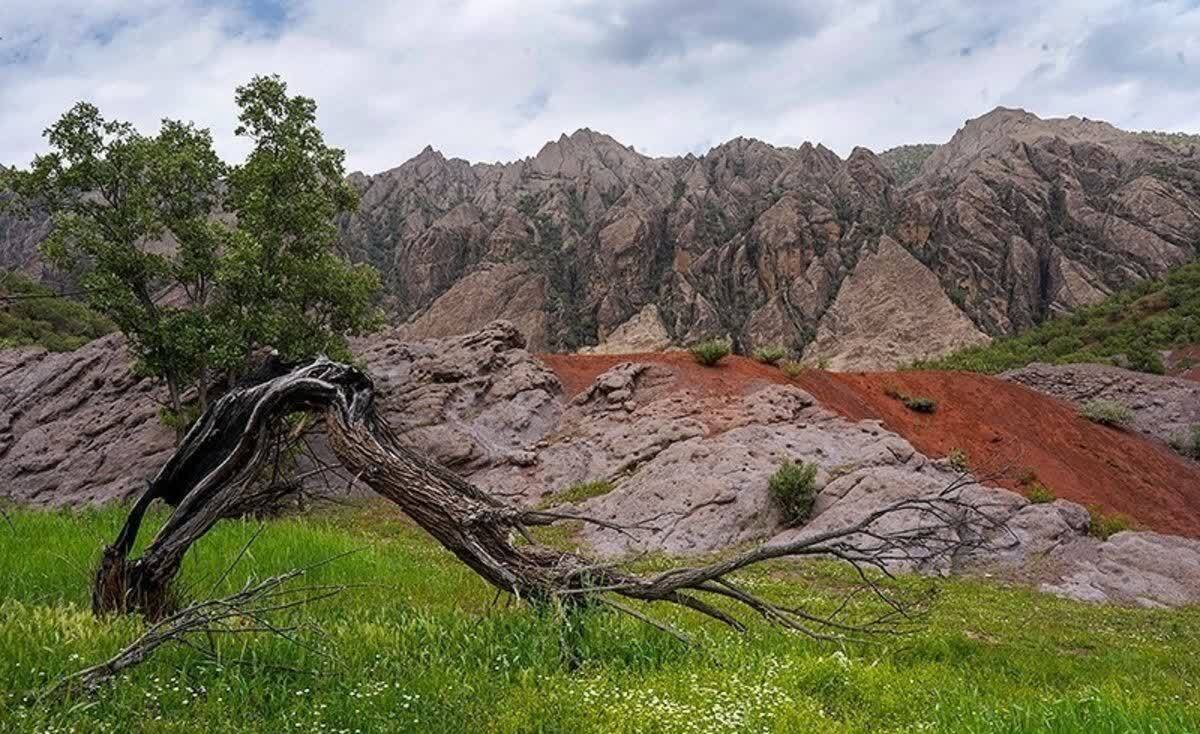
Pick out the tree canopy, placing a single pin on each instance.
(198, 262)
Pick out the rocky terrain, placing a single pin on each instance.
(684, 450)
(1013, 219)
(1164, 408)
(590, 244)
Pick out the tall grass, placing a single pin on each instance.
(418, 646)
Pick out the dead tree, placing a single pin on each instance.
(209, 476)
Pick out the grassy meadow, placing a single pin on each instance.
(418, 645)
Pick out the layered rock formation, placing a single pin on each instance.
(1012, 220)
(687, 461)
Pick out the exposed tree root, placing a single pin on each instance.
(208, 477)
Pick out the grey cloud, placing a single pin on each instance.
(495, 79)
(635, 31)
(1138, 49)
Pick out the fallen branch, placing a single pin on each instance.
(196, 626)
(206, 480)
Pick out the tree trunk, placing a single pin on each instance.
(211, 476)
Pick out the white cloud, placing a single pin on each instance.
(494, 79)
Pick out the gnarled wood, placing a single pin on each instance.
(208, 478)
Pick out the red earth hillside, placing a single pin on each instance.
(998, 424)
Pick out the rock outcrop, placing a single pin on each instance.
(1016, 218)
(887, 309)
(78, 427)
(687, 462)
(1164, 408)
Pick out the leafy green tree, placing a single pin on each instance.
(131, 216)
(200, 264)
(295, 293)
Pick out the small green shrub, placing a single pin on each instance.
(793, 488)
(921, 404)
(958, 460)
(1188, 442)
(917, 403)
(1106, 412)
(1104, 525)
(771, 354)
(792, 368)
(1039, 493)
(179, 421)
(578, 493)
(709, 352)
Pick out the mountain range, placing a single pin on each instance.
(863, 262)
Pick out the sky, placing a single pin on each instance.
(494, 80)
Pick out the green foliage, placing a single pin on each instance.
(792, 368)
(1103, 525)
(1038, 493)
(579, 492)
(1173, 139)
(771, 353)
(710, 351)
(920, 404)
(1128, 329)
(958, 459)
(1187, 442)
(428, 651)
(1106, 412)
(793, 489)
(272, 279)
(570, 324)
(905, 161)
(32, 314)
(294, 292)
(917, 404)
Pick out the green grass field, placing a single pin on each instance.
(419, 647)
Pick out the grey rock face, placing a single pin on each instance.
(1014, 219)
(77, 427)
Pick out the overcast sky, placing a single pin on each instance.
(493, 80)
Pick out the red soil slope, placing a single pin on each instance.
(998, 424)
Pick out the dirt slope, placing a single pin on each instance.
(998, 424)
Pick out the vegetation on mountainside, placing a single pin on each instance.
(1175, 140)
(793, 488)
(1104, 525)
(136, 218)
(418, 645)
(1106, 412)
(1187, 442)
(33, 315)
(709, 352)
(578, 493)
(771, 353)
(1126, 329)
(905, 161)
(915, 403)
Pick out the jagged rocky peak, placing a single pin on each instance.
(1016, 218)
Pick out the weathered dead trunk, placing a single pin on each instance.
(211, 477)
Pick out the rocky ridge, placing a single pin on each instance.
(81, 428)
(1014, 219)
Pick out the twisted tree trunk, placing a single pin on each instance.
(212, 474)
